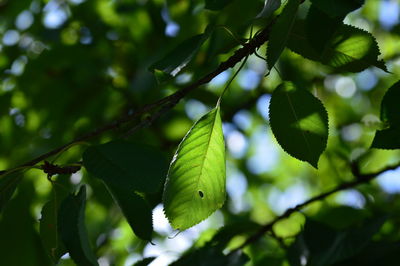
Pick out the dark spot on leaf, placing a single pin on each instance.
(201, 194)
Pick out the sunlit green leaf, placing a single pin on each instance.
(49, 232)
(136, 210)
(174, 61)
(389, 138)
(349, 50)
(126, 164)
(338, 8)
(217, 4)
(299, 122)
(71, 223)
(280, 32)
(195, 185)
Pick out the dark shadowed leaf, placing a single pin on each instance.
(135, 209)
(389, 138)
(376, 253)
(174, 61)
(49, 232)
(145, 261)
(217, 4)
(317, 24)
(321, 245)
(71, 223)
(338, 8)
(280, 32)
(209, 256)
(195, 186)
(8, 184)
(299, 122)
(126, 164)
(20, 242)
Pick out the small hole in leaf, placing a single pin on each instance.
(201, 194)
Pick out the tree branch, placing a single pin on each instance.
(169, 101)
(359, 179)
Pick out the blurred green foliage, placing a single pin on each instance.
(68, 67)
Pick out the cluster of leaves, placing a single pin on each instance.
(137, 177)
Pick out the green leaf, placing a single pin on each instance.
(280, 32)
(299, 122)
(136, 210)
(209, 256)
(145, 261)
(270, 6)
(317, 23)
(334, 246)
(349, 50)
(216, 4)
(195, 186)
(8, 185)
(71, 219)
(49, 232)
(174, 61)
(126, 164)
(389, 138)
(337, 8)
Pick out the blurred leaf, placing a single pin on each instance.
(217, 4)
(49, 231)
(299, 122)
(349, 50)
(8, 184)
(389, 138)
(136, 210)
(174, 61)
(123, 164)
(5, 101)
(224, 235)
(71, 223)
(208, 256)
(280, 32)
(269, 260)
(145, 261)
(195, 185)
(338, 8)
(319, 244)
(340, 217)
(269, 8)
(376, 253)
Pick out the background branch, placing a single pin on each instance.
(359, 179)
(169, 102)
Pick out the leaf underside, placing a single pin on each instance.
(8, 185)
(299, 122)
(195, 186)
